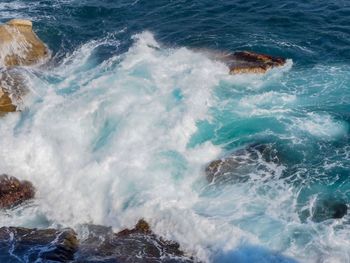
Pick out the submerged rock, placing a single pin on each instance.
(31, 245)
(14, 192)
(238, 167)
(19, 45)
(328, 209)
(128, 246)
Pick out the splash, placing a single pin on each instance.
(109, 143)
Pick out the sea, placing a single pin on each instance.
(123, 120)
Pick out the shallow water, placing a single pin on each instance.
(122, 122)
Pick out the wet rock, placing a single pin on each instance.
(140, 244)
(241, 164)
(12, 90)
(32, 245)
(246, 61)
(6, 104)
(19, 45)
(325, 209)
(250, 62)
(14, 192)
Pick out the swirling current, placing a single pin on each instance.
(124, 119)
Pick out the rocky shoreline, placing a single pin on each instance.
(139, 244)
(19, 47)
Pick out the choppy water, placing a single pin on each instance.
(123, 121)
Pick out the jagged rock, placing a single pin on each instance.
(14, 192)
(19, 245)
(128, 246)
(238, 166)
(97, 244)
(250, 62)
(19, 45)
(246, 61)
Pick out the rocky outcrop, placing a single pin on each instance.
(250, 62)
(128, 246)
(243, 62)
(12, 90)
(237, 167)
(14, 192)
(19, 45)
(6, 104)
(97, 244)
(31, 245)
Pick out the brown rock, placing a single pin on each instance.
(12, 90)
(14, 192)
(31, 245)
(245, 61)
(6, 103)
(142, 227)
(19, 45)
(250, 62)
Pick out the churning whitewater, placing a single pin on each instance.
(111, 143)
(128, 124)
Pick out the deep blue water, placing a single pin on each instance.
(134, 126)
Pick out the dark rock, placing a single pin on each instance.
(14, 192)
(98, 244)
(329, 208)
(237, 167)
(130, 245)
(32, 245)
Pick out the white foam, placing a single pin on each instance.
(267, 103)
(322, 125)
(116, 149)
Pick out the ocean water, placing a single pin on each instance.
(122, 122)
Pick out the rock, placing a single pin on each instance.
(246, 61)
(250, 62)
(237, 167)
(12, 90)
(128, 246)
(97, 244)
(329, 208)
(19, 45)
(142, 227)
(6, 104)
(14, 192)
(32, 245)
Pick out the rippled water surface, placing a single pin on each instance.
(122, 122)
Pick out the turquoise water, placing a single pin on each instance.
(123, 121)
